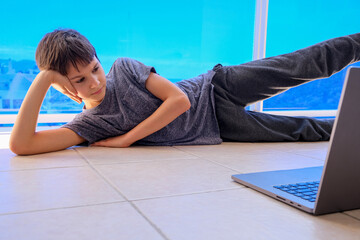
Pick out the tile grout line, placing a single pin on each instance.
(217, 163)
(358, 219)
(212, 161)
(60, 208)
(112, 185)
(307, 156)
(188, 194)
(103, 177)
(144, 161)
(45, 168)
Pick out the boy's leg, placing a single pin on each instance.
(250, 82)
(238, 86)
(247, 126)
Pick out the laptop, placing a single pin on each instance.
(333, 187)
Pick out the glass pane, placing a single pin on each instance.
(180, 39)
(300, 23)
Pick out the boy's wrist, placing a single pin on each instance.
(130, 137)
(46, 76)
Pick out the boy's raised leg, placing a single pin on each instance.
(250, 82)
(235, 87)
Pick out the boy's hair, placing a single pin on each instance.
(59, 48)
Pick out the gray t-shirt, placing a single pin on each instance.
(127, 103)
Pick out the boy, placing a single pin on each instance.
(133, 104)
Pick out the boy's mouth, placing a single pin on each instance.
(98, 91)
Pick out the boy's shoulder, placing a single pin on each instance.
(118, 66)
(124, 63)
(130, 66)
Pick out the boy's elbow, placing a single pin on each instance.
(18, 148)
(15, 148)
(185, 103)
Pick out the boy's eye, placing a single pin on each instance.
(95, 69)
(81, 80)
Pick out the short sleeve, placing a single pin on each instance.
(134, 70)
(94, 127)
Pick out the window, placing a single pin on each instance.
(300, 23)
(180, 39)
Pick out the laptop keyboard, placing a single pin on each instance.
(306, 190)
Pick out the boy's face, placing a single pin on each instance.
(89, 82)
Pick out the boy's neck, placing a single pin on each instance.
(89, 105)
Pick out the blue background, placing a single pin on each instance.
(180, 39)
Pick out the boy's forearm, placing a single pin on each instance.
(25, 124)
(168, 111)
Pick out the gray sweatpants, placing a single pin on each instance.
(235, 87)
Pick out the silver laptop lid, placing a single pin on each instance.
(339, 188)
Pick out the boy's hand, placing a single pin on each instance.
(121, 141)
(63, 85)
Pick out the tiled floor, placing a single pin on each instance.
(158, 193)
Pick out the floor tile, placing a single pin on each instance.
(165, 178)
(103, 155)
(66, 158)
(317, 150)
(226, 149)
(354, 213)
(242, 214)
(294, 146)
(266, 162)
(52, 188)
(319, 154)
(109, 221)
(5, 155)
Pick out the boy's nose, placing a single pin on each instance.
(94, 82)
